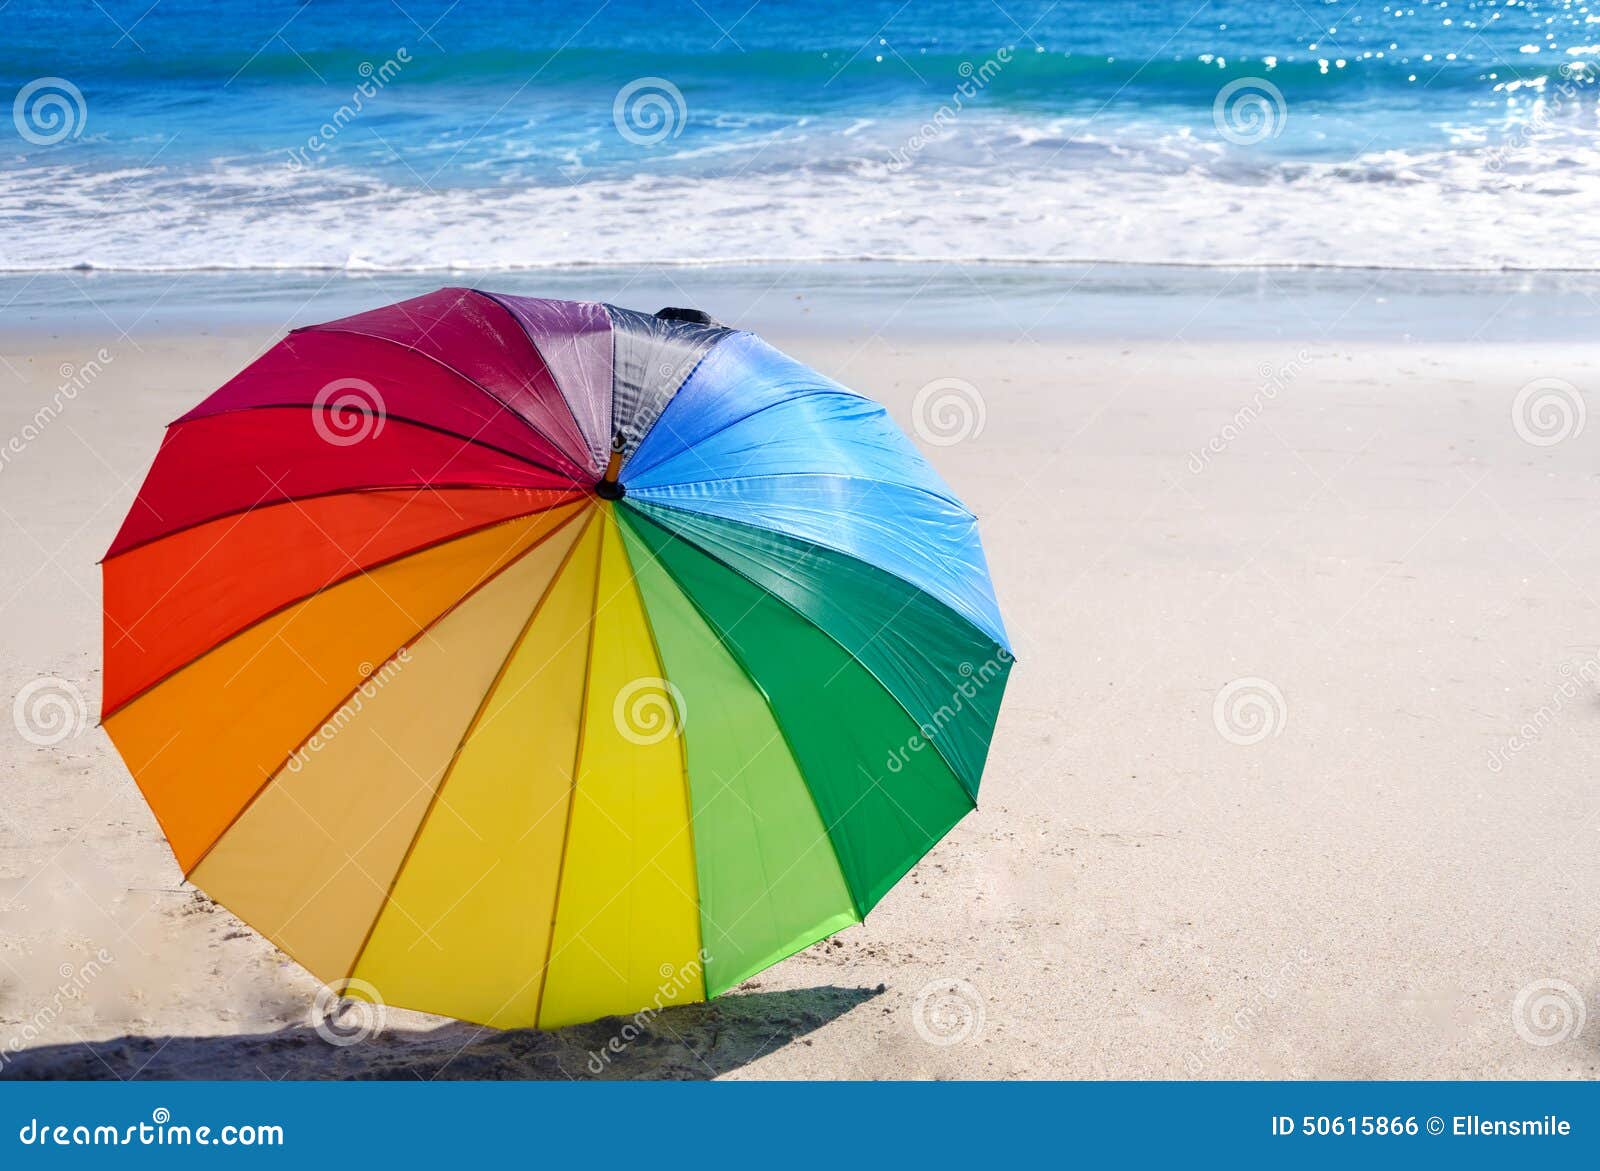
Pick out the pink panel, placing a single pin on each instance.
(478, 338)
(378, 377)
(575, 339)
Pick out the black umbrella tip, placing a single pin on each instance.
(692, 316)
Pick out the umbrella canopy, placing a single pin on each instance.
(531, 661)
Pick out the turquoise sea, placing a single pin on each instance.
(496, 137)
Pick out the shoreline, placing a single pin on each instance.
(922, 301)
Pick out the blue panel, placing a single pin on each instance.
(750, 410)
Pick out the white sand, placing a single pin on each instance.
(1359, 895)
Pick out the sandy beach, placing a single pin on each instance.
(1294, 777)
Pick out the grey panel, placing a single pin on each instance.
(650, 360)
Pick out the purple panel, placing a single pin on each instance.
(574, 338)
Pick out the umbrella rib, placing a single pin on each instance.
(420, 424)
(345, 698)
(472, 726)
(919, 488)
(714, 432)
(683, 764)
(572, 786)
(682, 382)
(359, 571)
(439, 485)
(566, 398)
(509, 409)
(643, 496)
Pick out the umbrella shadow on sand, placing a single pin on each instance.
(680, 1043)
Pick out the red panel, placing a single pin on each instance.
(377, 376)
(477, 337)
(168, 602)
(213, 466)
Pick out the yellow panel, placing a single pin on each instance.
(468, 925)
(202, 743)
(310, 862)
(627, 931)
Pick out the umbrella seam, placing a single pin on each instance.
(777, 721)
(572, 785)
(566, 398)
(331, 327)
(955, 773)
(442, 486)
(390, 418)
(642, 497)
(472, 726)
(360, 570)
(345, 698)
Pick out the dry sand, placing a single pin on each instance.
(1358, 894)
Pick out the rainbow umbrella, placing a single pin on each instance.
(531, 661)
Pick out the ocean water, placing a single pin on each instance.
(495, 137)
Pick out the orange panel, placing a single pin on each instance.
(203, 742)
(173, 600)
